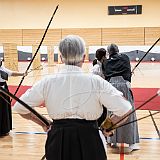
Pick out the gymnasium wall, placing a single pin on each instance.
(35, 14)
(23, 22)
(92, 36)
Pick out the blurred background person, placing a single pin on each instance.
(100, 56)
(5, 103)
(117, 70)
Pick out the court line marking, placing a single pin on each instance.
(122, 151)
(23, 132)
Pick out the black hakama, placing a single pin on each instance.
(74, 139)
(5, 112)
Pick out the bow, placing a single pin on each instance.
(39, 116)
(37, 49)
(133, 72)
(145, 55)
(137, 119)
(114, 126)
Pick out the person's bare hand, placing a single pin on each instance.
(46, 128)
(25, 73)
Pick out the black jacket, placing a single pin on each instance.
(117, 65)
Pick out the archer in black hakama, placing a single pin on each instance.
(5, 103)
(5, 112)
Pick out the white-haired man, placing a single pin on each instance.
(74, 101)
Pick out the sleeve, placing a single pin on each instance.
(96, 70)
(9, 72)
(34, 97)
(126, 67)
(126, 61)
(113, 99)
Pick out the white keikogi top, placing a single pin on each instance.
(72, 93)
(9, 72)
(97, 69)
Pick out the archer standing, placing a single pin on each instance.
(97, 69)
(97, 62)
(73, 99)
(117, 70)
(5, 103)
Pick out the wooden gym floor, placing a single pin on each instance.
(27, 140)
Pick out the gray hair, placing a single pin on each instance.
(112, 49)
(72, 48)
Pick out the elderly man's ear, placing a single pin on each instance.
(83, 59)
(61, 58)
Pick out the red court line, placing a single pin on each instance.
(122, 151)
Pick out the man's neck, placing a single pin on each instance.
(79, 64)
